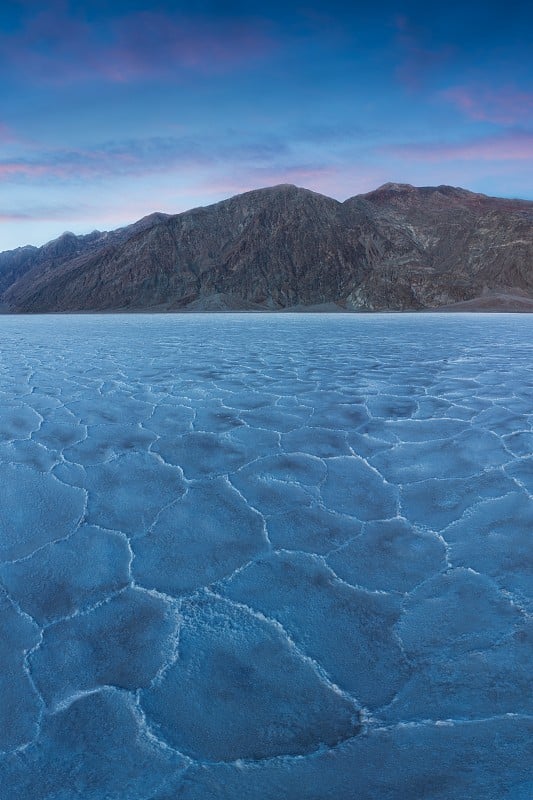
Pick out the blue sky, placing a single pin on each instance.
(111, 111)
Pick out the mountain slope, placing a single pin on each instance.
(398, 247)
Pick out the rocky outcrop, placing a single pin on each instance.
(399, 247)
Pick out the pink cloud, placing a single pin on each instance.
(37, 215)
(248, 178)
(262, 157)
(13, 217)
(16, 169)
(332, 180)
(137, 157)
(507, 104)
(512, 146)
(339, 181)
(58, 48)
(418, 59)
(8, 136)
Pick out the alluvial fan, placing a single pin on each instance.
(251, 556)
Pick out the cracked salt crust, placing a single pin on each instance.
(293, 564)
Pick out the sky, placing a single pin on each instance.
(113, 110)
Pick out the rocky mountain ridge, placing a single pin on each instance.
(396, 248)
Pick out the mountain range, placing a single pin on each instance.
(396, 248)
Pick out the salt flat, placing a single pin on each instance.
(266, 556)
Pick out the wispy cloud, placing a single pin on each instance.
(418, 58)
(43, 214)
(15, 216)
(56, 47)
(247, 177)
(138, 157)
(6, 134)
(506, 105)
(508, 146)
(235, 160)
(334, 180)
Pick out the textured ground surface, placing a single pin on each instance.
(266, 557)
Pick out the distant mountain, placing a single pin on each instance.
(396, 248)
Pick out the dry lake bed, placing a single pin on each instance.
(253, 557)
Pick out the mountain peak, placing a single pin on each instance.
(399, 247)
(279, 188)
(394, 187)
